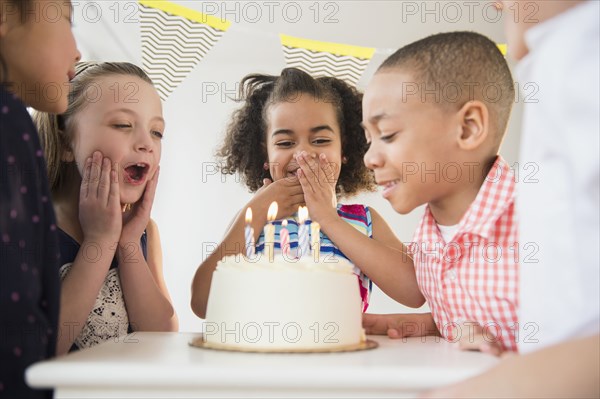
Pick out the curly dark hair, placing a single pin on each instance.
(244, 148)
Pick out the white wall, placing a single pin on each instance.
(193, 204)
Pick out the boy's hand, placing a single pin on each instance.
(318, 182)
(472, 338)
(136, 222)
(99, 201)
(287, 192)
(400, 325)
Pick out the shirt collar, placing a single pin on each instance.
(496, 194)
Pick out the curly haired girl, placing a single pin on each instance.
(298, 140)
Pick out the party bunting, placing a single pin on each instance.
(174, 40)
(503, 47)
(326, 59)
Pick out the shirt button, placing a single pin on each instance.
(452, 274)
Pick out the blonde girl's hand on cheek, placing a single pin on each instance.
(99, 201)
(318, 181)
(136, 222)
(287, 192)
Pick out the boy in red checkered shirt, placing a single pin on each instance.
(435, 114)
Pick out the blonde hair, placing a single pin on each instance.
(56, 130)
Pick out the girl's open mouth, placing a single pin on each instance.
(292, 170)
(136, 173)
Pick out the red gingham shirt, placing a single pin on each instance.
(474, 277)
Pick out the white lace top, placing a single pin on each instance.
(108, 318)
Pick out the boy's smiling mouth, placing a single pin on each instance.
(388, 186)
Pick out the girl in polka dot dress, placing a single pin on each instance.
(37, 58)
(103, 158)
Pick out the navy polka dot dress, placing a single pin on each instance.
(29, 254)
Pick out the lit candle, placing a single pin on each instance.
(270, 232)
(249, 234)
(315, 240)
(303, 244)
(284, 236)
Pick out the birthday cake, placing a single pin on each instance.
(288, 305)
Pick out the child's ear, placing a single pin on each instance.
(475, 121)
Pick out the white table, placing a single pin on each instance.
(151, 365)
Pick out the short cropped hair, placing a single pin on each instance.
(459, 67)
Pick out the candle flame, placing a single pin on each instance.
(302, 214)
(284, 223)
(272, 212)
(248, 215)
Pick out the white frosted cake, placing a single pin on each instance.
(286, 305)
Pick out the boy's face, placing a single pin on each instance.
(412, 142)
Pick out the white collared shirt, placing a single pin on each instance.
(559, 191)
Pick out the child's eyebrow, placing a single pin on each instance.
(282, 131)
(159, 119)
(317, 129)
(376, 118)
(313, 130)
(125, 110)
(133, 113)
(70, 7)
